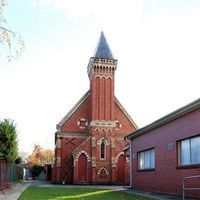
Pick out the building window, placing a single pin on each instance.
(189, 151)
(146, 159)
(103, 150)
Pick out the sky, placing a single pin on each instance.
(156, 42)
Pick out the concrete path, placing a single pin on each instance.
(15, 192)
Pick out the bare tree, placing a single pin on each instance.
(11, 42)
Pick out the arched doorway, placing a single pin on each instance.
(121, 166)
(82, 168)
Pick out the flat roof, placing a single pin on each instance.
(166, 119)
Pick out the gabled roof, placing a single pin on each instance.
(73, 110)
(125, 113)
(102, 49)
(166, 119)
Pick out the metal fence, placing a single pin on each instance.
(190, 188)
(9, 173)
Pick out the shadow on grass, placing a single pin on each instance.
(35, 193)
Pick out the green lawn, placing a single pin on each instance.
(37, 193)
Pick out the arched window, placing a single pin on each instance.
(103, 150)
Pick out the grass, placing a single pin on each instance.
(37, 193)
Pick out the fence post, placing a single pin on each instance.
(183, 189)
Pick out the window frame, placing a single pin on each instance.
(190, 165)
(103, 158)
(138, 160)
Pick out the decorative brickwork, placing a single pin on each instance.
(58, 143)
(93, 161)
(92, 132)
(118, 155)
(85, 152)
(103, 169)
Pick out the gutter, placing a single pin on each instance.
(166, 119)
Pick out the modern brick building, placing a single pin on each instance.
(90, 138)
(166, 151)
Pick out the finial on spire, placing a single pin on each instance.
(102, 49)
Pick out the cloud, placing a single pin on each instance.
(101, 9)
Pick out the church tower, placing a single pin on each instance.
(101, 71)
(90, 138)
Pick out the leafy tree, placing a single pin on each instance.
(8, 140)
(40, 156)
(11, 42)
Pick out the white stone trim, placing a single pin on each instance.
(103, 76)
(113, 162)
(58, 161)
(93, 161)
(80, 121)
(93, 141)
(101, 63)
(58, 143)
(120, 138)
(103, 129)
(103, 139)
(118, 155)
(71, 135)
(127, 159)
(120, 125)
(113, 142)
(86, 154)
(103, 168)
(102, 123)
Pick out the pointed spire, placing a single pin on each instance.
(102, 49)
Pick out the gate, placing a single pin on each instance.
(4, 178)
(9, 173)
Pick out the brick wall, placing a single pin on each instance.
(167, 177)
(83, 112)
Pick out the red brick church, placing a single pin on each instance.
(90, 138)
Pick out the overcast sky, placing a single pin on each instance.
(156, 42)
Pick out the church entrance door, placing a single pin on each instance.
(121, 169)
(82, 168)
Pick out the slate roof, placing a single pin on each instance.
(102, 49)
